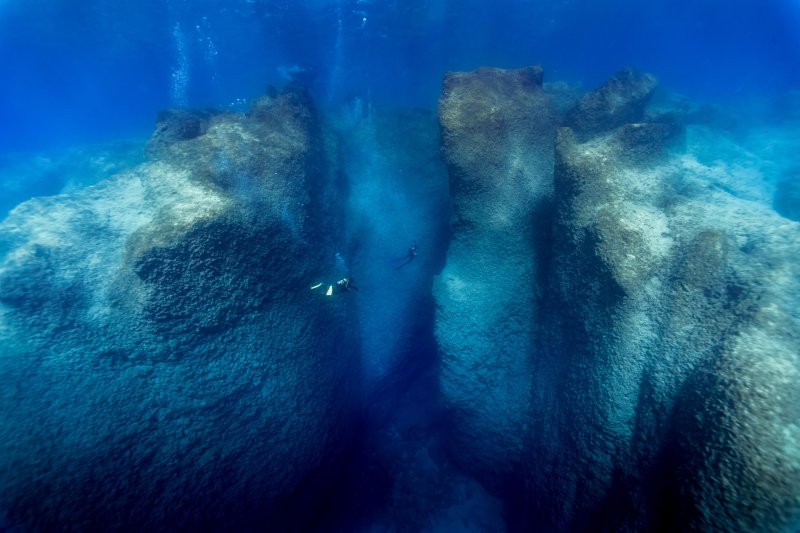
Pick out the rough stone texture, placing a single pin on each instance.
(497, 136)
(636, 354)
(620, 100)
(175, 125)
(163, 362)
(674, 353)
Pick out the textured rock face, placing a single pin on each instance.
(173, 125)
(653, 384)
(497, 135)
(163, 361)
(621, 100)
(676, 347)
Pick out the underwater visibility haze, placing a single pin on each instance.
(400, 265)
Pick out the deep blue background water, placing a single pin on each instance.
(76, 72)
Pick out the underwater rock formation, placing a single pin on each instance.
(675, 347)
(620, 100)
(497, 137)
(658, 387)
(173, 125)
(164, 363)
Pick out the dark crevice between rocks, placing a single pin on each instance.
(398, 473)
(377, 479)
(403, 416)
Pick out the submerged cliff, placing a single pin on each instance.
(162, 356)
(498, 146)
(618, 326)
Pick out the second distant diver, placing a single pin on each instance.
(406, 259)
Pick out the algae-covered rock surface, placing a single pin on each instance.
(164, 363)
(669, 397)
(497, 142)
(622, 99)
(617, 322)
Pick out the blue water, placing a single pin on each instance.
(76, 73)
(155, 415)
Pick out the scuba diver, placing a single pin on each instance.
(406, 259)
(347, 285)
(341, 286)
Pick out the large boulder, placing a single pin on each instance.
(164, 365)
(497, 141)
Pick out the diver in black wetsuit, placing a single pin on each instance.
(343, 285)
(346, 285)
(412, 253)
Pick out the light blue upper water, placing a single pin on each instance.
(88, 71)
